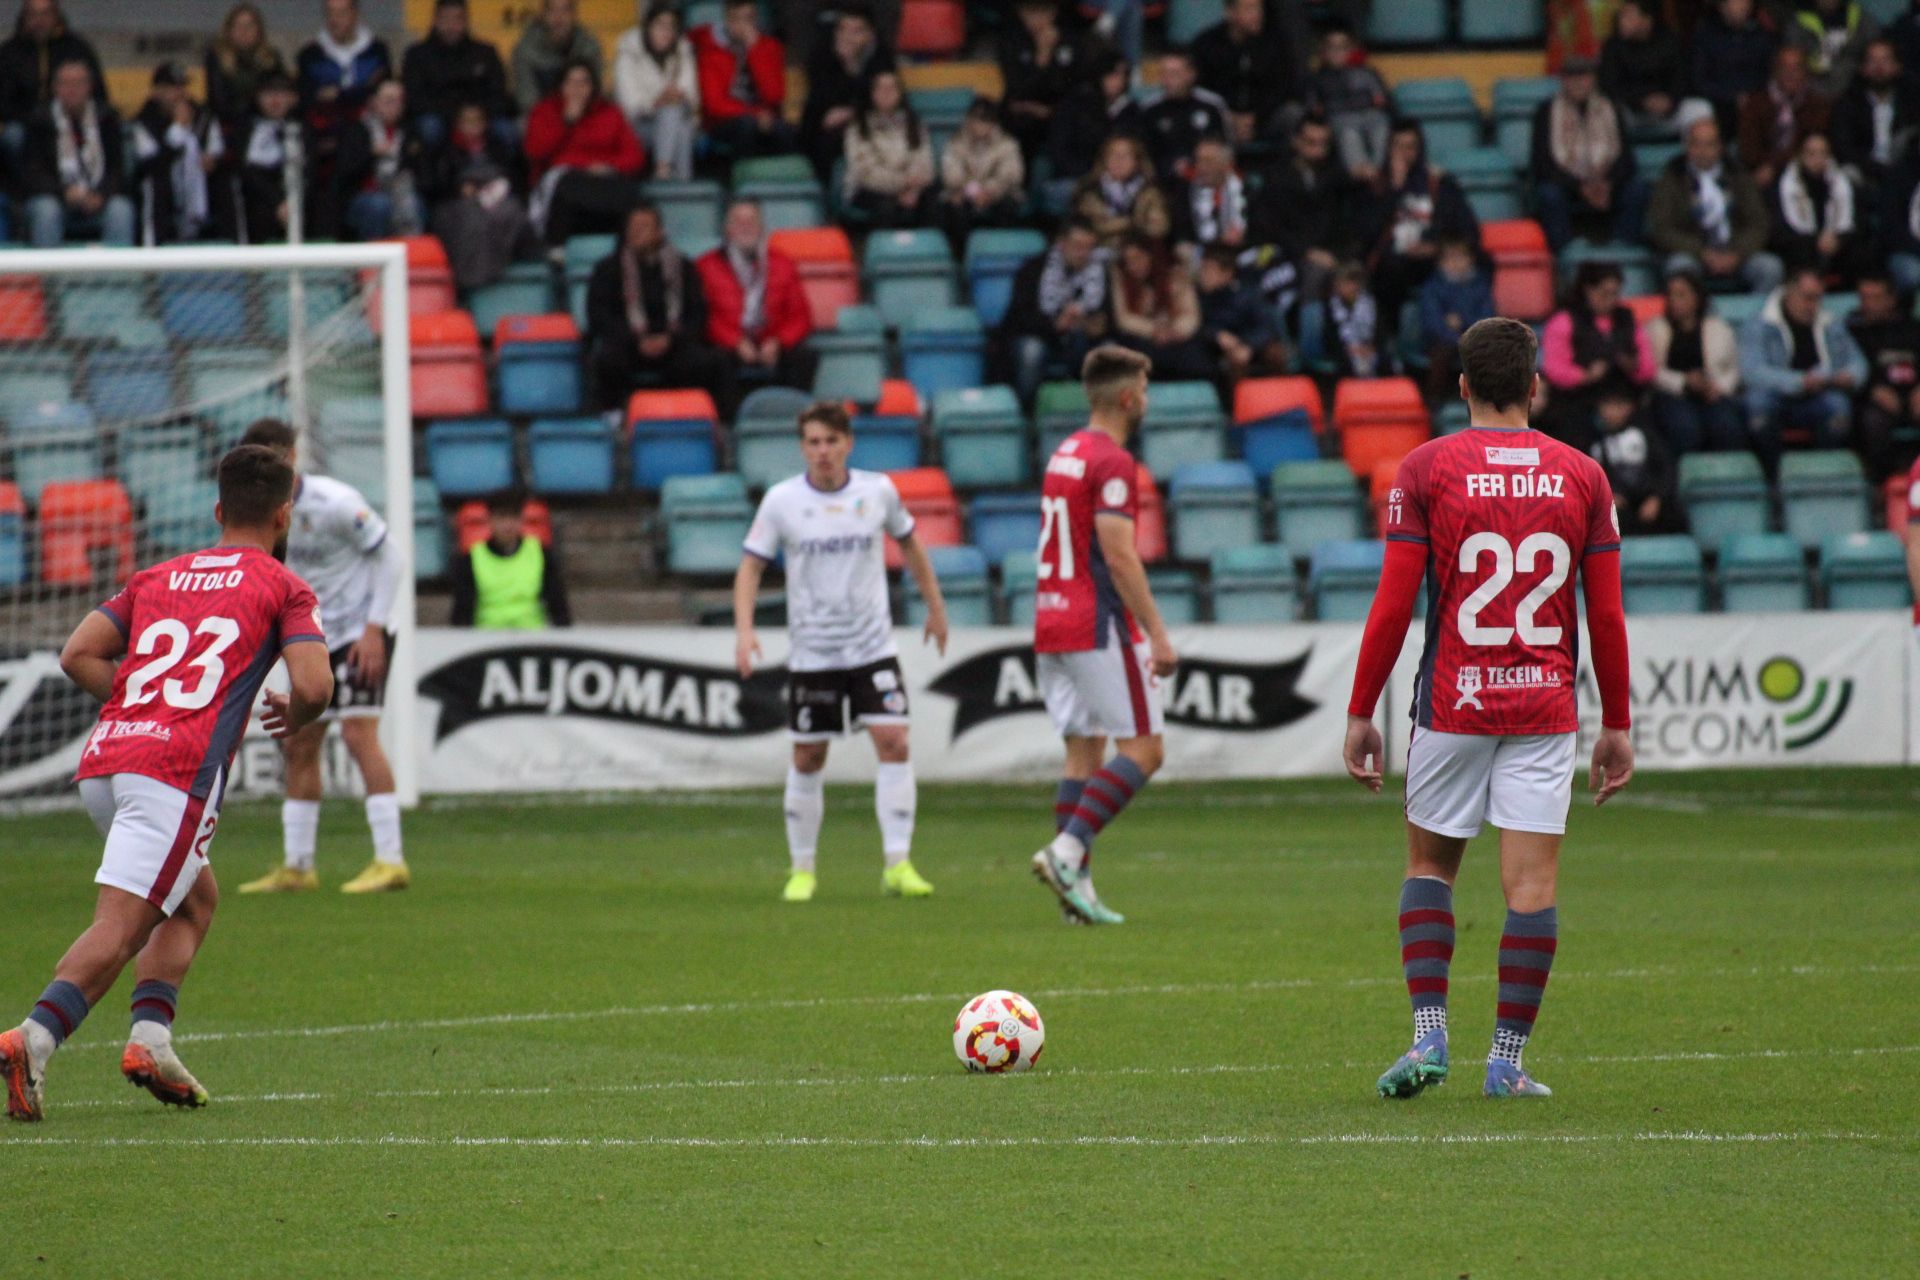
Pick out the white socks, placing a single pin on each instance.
(383, 818)
(40, 1045)
(806, 805)
(300, 824)
(895, 796)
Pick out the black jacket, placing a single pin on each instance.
(1632, 69)
(263, 184)
(1255, 76)
(440, 77)
(1851, 125)
(356, 164)
(1299, 209)
(153, 175)
(1027, 80)
(1543, 168)
(553, 589)
(1174, 128)
(607, 306)
(830, 84)
(1374, 213)
(1083, 123)
(27, 67)
(1639, 465)
(1892, 349)
(42, 163)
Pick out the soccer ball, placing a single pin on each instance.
(999, 1031)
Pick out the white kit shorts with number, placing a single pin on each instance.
(1458, 781)
(1101, 693)
(157, 835)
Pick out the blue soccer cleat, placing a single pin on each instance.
(1506, 1080)
(1424, 1064)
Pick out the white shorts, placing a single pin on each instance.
(157, 835)
(1101, 693)
(1458, 781)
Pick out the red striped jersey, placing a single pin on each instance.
(1507, 516)
(202, 632)
(1090, 474)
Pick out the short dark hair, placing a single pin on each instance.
(1796, 274)
(1079, 222)
(1497, 358)
(255, 482)
(506, 502)
(830, 414)
(1110, 367)
(743, 4)
(1221, 255)
(271, 433)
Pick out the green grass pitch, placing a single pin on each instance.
(591, 1041)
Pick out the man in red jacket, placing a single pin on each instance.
(757, 312)
(743, 83)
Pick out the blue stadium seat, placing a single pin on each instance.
(431, 553)
(1865, 571)
(124, 384)
(668, 447)
(984, 441)
(1254, 584)
(690, 212)
(54, 441)
(943, 348)
(13, 538)
(1315, 502)
(526, 289)
(1184, 424)
(1343, 577)
(993, 258)
(706, 519)
(1501, 21)
(1407, 22)
(1177, 592)
(543, 375)
(885, 442)
(1215, 505)
(1823, 494)
(470, 457)
(962, 572)
(154, 458)
(1724, 494)
(1445, 107)
(1004, 522)
(1019, 579)
(765, 448)
(209, 307)
(1265, 443)
(1514, 102)
(1763, 573)
(1662, 574)
(570, 455)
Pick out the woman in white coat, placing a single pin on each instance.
(656, 85)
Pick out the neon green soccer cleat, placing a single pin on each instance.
(800, 887)
(902, 881)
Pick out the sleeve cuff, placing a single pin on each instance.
(1417, 539)
(758, 554)
(114, 618)
(302, 638)
(1601, 548)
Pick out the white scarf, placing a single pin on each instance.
(1218, 210)
(1061, 287)
(343, 55)
(1585, 142)
(1355, 324)
(1121, 195)
(386, 143)
(266, 145)
(1711, 209)
(83, 161)
(1796, 204)
(750, 269)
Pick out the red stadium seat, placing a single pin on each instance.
(1523, 285)
(927, 493)
(1515, 235)
(558, 327)
(1380, 484)
(1150, 529)
(828, 275)
(470, 525)
(1257, 398)
(1366, 445)
(1366, 400)
(23, 309)
(449, 375)
(79, 518)
(679, 405)
(898, 399)
(11, 503)
(1898, 513)
(922, 482)
(933, 28)
(812, 246)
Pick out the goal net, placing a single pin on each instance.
(124, 376)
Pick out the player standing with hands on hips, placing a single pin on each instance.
(1499, 516)
(842, 666)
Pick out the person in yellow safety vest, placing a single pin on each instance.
(510, 582)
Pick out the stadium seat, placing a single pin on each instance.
(1451, 417)
(1003, 522)
(1662, 573)
(1523, 283)
(1489, 181)
(1059, 410)
(1019, 579)
(471, 457)
(1645, 307)
(673, 435)
(180, 517)
(932, 28)
(1276, 420)
(983, 437)
(30, 378)
(1184, 424)
(1501, 21)
(101, 309)
(943, 348)
(580, 255)
(993, 258)
(79, 518)
(1738, 308)
(1342, 577)
(1763, 573)
(204, 307)
(124, 384)
(853, 357)
(1865, 571)
(962, 572)
(1724, 494)
(928, 496)
(690, 212)
(1150, 525)
(1514, 102)
(232, 387)
(1253, 584)
(525, 289)
(323, 297)
(448, 373)
(429, 281)
(824, 258)
(1315, 502)
(23, 309)
(765, 448)
(706, 520)
(1177, 592)
(539, 360)
(1823, 493)
(885, 442)
(570, 455)
(784, 168)
(1651, 157)
(1639, 270)
(1215, 505)
(1407, 22)
(1446, 110)
(908, 271)
(430, 551)
(159, 457)
(785, 202)
(53, 442)
(13, 537)
(1380, 419)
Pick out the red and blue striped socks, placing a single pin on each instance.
(1426, 949)
(1106, 794)
(1066, 798)
(155, 1001)
(60, 1010)
(1526, 957)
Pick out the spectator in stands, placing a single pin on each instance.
(743, 83)
(1582, 168)
(1833, 34)
(1639, 465)
(1800, 366)
(40, 45)
(1458, 295)
(238, 61)
(1352, 98)
(185, 190)
(1731, 55)
(1057, 310)
(1099, 108)
(647, 317)
(449, 68)
(1235, 325)
(1404, 214)
(1696, 371)
(839, 82)
(757, 313)
(1899, 218)
(656, 81)
(582, 158)
(1592, 339)
(509, 581)
(1301, 209)
(271, 136)
(384, 168)
(481, 218)
(547, 47)
(983, 180)
(1707, 215)
(339, 68)
(1816, 214)
(1120, 197)
(1211, 206)
(1877, 115)
(1889, 340)
(1353, 317)
(1774, 121)
(1245, 60)
(1041, 66)
(1183, 114)
(76, 173)
(1118, 24)
(1156, 310)
(1643, 67)
(889, 174)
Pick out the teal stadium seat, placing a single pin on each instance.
(1501, 21)
(52, 442)
(983, 437)
(233, 387)
(943, 348)
(1215, 505)
(908, 271)
(1488, 178)
(1059, 410)
(1342, 578)
(962, 573)
(1001, 523)
(690, 212)
(1662, 574)
(766, 447)
(1763, 573)
(154, 459)
(525, 289)
(1823, 494)
(100, 309)
(1407, 22)
(1184, 424)
(29, 378)
(795, 200)
(1445, 107)
(1639, 270)
(1865, 571)
(1514, 102)
(706, 519)
(1315, 502)
(180, 517)
(432, 555)
(1255, 584)
(1177, 592)
(1724, 494)
(1019, 579)
(853, 356)
(352, 443)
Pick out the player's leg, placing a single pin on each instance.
(1085, 755)
(149, 1060)
(388, 870)
(896, 800)
(299, 814)
(806, 808)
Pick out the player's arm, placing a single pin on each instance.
(309, 689)
(1130, 580)
(92, 654)
(1380, 644)
(1913, 565)
(920, 565)
(746, 593)
(368, 656)
(1607, 633)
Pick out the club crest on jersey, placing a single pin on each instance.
(1468, 682)
(1114, 492)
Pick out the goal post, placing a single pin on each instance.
(124, 374)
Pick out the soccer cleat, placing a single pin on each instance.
(150, 1063)
(902, 881)
(23, 1082)
(1058, 867)
(1424, 1064)
(379, 877)
(284, 879)
(800, 887)
(1506, 1080)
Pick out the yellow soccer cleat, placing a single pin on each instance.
(284, 879)
(379, 877)
(902, 881)
(800, 887)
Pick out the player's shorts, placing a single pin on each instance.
(1102, 693)
(353, 697)
(1456, 782)
(821, 704)
(157, 835)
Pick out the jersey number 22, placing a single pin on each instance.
(1506, 559)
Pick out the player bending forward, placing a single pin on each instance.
(339, 545)
(843, 668)
(1498, 517)
(178, 658)
(1099, 676)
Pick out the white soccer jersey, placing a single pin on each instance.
(838, 614)
(334, 531)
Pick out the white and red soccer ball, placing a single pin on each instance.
(998, 1031)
